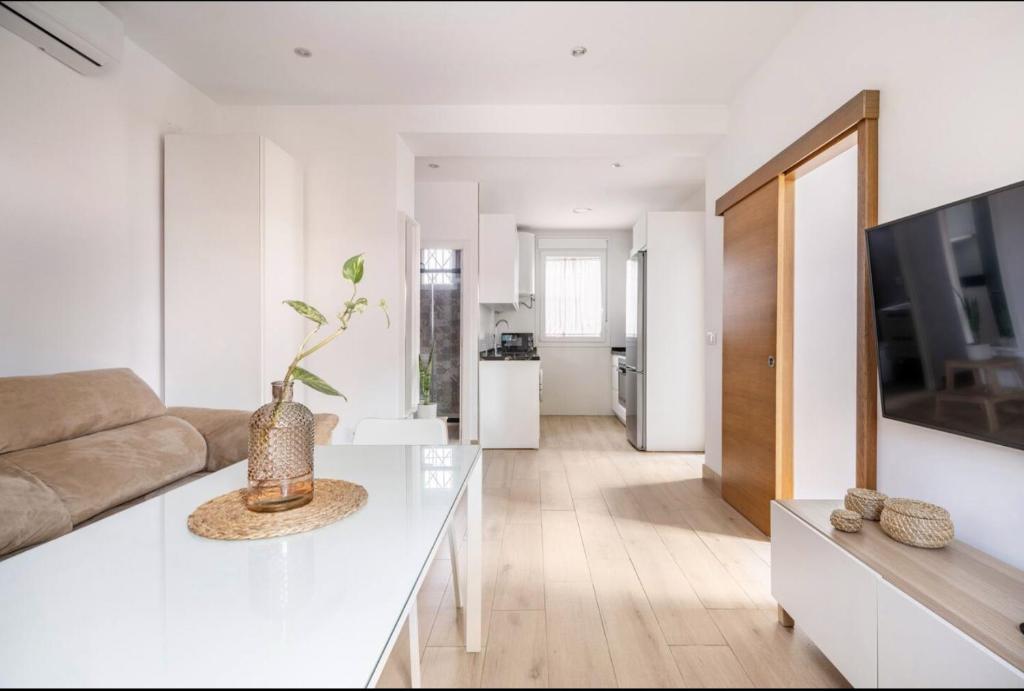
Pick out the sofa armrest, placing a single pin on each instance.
(227, 432)
(324, 424)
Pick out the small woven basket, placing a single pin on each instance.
(845, 520)
(867, 502)
(917, 523)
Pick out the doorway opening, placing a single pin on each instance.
(824, 322)
(441, 330)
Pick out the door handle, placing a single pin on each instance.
(771, 361)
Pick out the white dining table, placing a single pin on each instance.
(136, 599)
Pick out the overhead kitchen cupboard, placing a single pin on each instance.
(233, 251)
(527, 263)
(499, 262)
(639, 235)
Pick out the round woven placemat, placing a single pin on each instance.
(226, 518)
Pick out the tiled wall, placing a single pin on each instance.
(447, 329)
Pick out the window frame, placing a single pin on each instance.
(542, 255)
(447, 275)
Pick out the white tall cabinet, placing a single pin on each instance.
(674, 328)
(233, 251)
(499, 262)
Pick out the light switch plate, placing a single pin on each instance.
(712, 338)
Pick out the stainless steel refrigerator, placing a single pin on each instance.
(632, 373)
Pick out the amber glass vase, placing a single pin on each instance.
(280, 454)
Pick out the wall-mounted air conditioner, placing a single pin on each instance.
(85, 36)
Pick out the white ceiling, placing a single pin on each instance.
(460, 52)
(562, 145)
(542, 192)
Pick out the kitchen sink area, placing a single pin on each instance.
(511, 386)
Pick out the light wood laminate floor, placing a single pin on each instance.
(608, 567)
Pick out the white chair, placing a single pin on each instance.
(401, 432)
(407, 432)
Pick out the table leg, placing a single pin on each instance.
(413, 622)
(474, 560)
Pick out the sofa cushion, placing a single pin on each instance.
(226, 433)
(93, 473)
(30, 512)
(56, 407)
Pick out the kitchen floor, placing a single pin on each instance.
(607, 567)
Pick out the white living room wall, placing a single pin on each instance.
(80, 209)
(449, 216)
(949, 127)
(359, 175)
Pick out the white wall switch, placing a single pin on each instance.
(712, 338)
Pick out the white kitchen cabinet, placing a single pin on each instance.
(510, 404)
(527, 262)
(233, 251)
(499, 262)
(640, 234)
(618, 406)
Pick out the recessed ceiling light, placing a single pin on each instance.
(582, 210)
(433, 165)
(303, 52)
(579, 51)
(616, 165)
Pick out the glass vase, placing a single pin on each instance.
(280, 454)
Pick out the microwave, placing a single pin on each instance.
(517, 342)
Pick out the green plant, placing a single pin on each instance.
(973, 312)
(352, 272)
(426, 374)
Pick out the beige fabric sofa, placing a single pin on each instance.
(78, 446)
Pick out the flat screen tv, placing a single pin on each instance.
(948, 288)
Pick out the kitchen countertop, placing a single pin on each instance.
(489, 356)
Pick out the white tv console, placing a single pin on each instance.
(889, 615)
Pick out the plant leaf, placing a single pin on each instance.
(316, 383)
(353, 269)
(357, 305)
(308, 311)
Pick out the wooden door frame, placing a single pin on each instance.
(857, 116)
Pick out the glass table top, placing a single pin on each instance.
(136, 599)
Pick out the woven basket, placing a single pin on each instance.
(867, 502)
(917, 523)
(845, 520)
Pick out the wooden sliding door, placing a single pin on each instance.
(748, 354)
(757, 330)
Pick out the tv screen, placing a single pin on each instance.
(948, 287)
